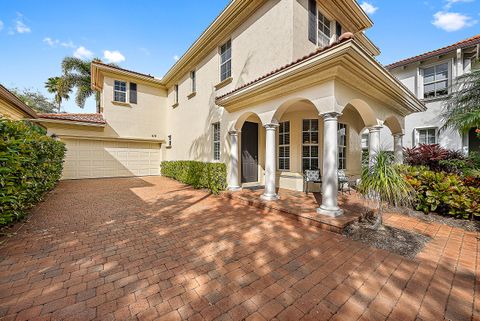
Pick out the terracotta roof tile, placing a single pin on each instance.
(344, 37)
(84, 118)
(461, 44)
(123, 69)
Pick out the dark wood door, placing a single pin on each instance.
(473, 141)
(249, 152)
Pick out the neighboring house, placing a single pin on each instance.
(12, 107)
(431, 77)
(271, 88)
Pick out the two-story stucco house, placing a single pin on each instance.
(431, 77)
(271, 88)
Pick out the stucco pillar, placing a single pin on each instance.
(270, 193)
(398, 148)
(233, 181)
(374, 143)
(330, 166)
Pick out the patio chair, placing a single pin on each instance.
(343, 182)
(311, 176)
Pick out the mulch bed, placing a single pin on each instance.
(391, 239)
(468, 225)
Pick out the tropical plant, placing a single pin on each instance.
(462, 109)
(431, 156)
(60, 87)
(384, 183)
(35, 100)
(77, 73)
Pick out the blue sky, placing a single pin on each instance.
(148, 35)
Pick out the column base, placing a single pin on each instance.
(269, 197)
(328, 211)
(234, 188)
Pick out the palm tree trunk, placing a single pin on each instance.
(379, 219)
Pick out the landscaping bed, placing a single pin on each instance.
(467, 225)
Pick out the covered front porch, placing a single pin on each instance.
(310, 115)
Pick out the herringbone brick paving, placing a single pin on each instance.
(153, 249)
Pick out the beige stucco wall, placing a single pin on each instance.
(7, 110)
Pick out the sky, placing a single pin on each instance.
(148, 36)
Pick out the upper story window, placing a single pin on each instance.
(226, 60)
(216, 141)
(427, 136)
(342, 146)
(435, 81)
(193, 79)
(284, 146)
(324, 31)
(120, 91)
(133, 93)
(338, 29)
(175, 95)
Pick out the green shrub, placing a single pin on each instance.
(212, 176)
(30, 165)
(443, 193)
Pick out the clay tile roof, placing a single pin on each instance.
(344, 37)
(461, 44)
(84, 118)
(123, 69)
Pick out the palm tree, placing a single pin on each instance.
(77, 72)
(60, 87)
(383, 183)
(462, 109)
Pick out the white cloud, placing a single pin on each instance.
(113, 56)
(368, 7)
(176, 57)
(51, 42)
(450, 3)
(452, 21)
(21, 27)
(1, 24)
(83, 53)
(67, 44)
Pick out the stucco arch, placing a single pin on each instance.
(282, 109)
(242, 118)
(393, 123)
(364, 110)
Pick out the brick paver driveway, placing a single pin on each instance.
(154, 249)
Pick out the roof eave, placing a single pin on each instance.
(67, 122)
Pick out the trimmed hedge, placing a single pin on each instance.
(30, 165)
(212, 176)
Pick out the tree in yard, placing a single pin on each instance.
(60, 87)
(77, 73)
(383, 183)
(462, 109)
(35, 100)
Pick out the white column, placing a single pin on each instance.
(233, 182)
(270, 193)
(398, 148)
(330, 166)
(374, 142)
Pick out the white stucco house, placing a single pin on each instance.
(271, 88)
(431, 77)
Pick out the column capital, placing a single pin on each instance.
(375, 128)
(233, 132)
(399, 135)
(332, 115)
(271, 126)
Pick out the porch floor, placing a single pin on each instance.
(302, 207)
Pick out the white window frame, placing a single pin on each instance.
(115, 91)
(417, 134)
(226, 62)
(342, 146)
(284, 146)
(175, 94)
(320, 32)
(421, 83)
(310, 145)
(193, 80)
(216, 133)
(366, 137)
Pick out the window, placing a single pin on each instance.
(216, 141)
(342, 146)
(284, 146)
(435, 81)
(133, 93)
(365, 141)
(226, 60)
(175, 95)
(310, 144)
(338, 29)
(120, 91)
(427, 136)
(169, 140)
(323, 38)
(193, 79)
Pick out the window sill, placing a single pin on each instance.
(223, 83)
(429, 100)
(191, 95)
(168, 147)
(175, 105)
(119, 103)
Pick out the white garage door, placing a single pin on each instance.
(101, 158)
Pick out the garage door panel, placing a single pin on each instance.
(92, 159)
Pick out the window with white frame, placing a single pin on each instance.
(175, 95)
(120, 91)
(324, 33)
(427, 136)
(310, 144)
(284, 146)
(435, 81)
(365, 141)
(342, 146)
(216, 141)
(226, 60)
(193, 79)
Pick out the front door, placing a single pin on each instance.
(249, 152)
